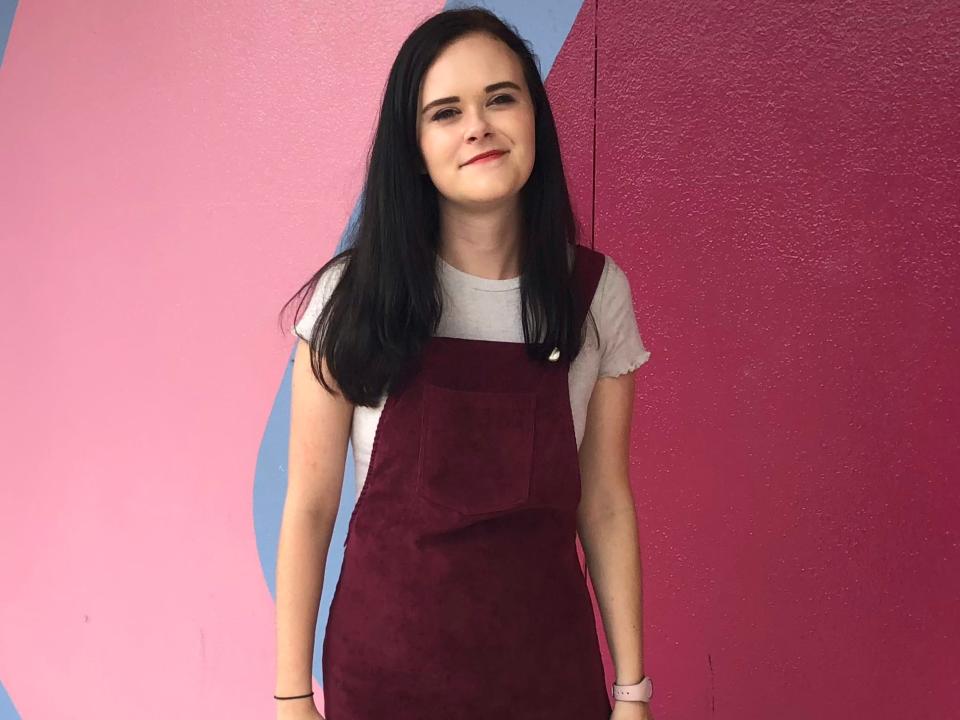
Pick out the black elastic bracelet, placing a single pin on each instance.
(292, 697)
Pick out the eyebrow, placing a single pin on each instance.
(456, 98)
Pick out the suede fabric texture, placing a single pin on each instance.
(461, 594)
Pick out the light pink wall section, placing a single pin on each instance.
(170, 172)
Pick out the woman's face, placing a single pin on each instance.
(484, 105)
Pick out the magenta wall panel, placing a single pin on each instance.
(780, 182)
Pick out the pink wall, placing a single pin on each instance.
(780, 184)
(170, 173)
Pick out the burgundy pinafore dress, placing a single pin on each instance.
(461, 594)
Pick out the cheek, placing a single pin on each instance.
(529, 145)
(425, 152)
(433, 148)
(530, 130)
(525, 134)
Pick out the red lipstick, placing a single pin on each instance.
(489, 155)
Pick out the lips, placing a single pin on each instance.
(481, 156)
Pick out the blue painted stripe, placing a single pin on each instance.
(8, 8)
(7, 710)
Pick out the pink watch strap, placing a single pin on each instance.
(641, 691)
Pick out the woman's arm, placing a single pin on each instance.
(319, 433)
(607, 525)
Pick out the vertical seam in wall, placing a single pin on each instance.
(593, 184)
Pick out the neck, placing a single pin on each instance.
(485, 243)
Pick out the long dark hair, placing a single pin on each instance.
(387, 302)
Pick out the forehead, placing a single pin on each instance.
(469, 64)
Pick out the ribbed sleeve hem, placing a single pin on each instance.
(633, 365)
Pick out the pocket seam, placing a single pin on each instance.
(524, 468)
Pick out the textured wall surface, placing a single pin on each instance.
(781, 180)
(778, 180)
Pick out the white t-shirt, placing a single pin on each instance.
(479, 308)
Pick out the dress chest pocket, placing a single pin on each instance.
(476, 449)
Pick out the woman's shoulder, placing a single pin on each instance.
(323, 287)
(621, 347)
(614, 283)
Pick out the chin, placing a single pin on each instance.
(491, 192)
(488, 198)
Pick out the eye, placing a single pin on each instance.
(506, 100)
(440, 115)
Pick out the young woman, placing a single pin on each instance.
(480, 359)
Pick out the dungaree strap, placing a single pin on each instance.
(587, 268)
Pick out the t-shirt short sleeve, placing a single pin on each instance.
(621, 348)
(321, 294)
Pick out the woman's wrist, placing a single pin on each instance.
(297, 696)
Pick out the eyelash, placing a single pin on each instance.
(440, 114)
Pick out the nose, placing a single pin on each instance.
(477, 126)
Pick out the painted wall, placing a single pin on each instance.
(779, 181)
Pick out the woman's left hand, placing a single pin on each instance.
(631, 710)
